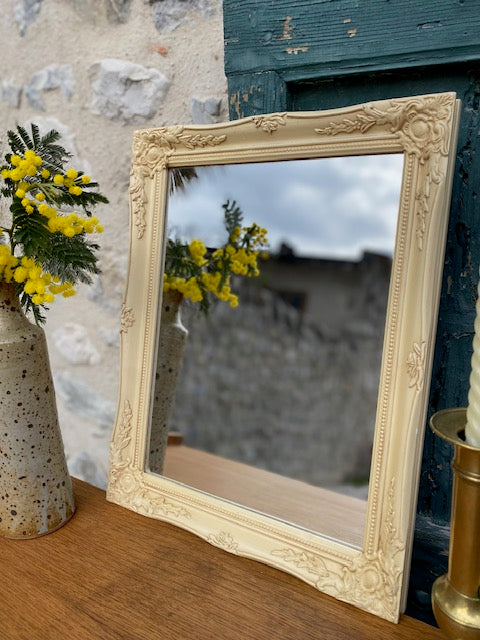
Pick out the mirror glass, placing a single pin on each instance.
(287, 382)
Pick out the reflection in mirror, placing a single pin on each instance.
(287, 382)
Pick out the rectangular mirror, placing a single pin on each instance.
(302, 410)
(337, 247)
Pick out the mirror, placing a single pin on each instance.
(354, 547)
(337, 246)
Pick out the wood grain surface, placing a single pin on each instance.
(111, 574)
(340, 517)
(316, 39)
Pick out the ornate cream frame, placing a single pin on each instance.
(423, 128)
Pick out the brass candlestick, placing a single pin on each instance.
(456, 595)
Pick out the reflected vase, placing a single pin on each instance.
(36, 494)
(171, 348)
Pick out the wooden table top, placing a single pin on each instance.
(112, 574)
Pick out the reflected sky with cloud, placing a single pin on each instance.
(328, 207)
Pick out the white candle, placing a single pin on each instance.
(472, 428)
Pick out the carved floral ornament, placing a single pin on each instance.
(422, 124)
(224, 540)
(270, 123)
(127, 482)
(416, 365)
(127, 318)
(371, 580)
(152, 149)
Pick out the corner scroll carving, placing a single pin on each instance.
(126, 484)
(374, 579)
(420, 123)
(371, 581)
(119, 449)
(152, 149)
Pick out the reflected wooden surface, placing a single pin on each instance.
(111, 574)
(338, 516)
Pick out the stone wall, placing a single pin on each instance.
(292, 391)
(96, 70)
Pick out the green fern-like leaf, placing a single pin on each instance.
(72, 259)
(53, 155)
(15, 142)
(49, 138)
(233, 216)
(31, 232)
(85, 200)
(180, 177)
(35, 135)
(27, 141)
(32, 309)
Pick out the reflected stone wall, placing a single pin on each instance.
(272, 386)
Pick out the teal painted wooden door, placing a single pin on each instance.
(311, 54)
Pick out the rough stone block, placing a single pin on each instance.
(10, 92)
(118, 11)
(205, 111)
(25, 13)
(169, 14)
(67, 139)
(125, 91)
(76, 347)
(85, 467)
(55, 76)
(82, 400)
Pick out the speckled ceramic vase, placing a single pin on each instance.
(35, 488)
(172, 339)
